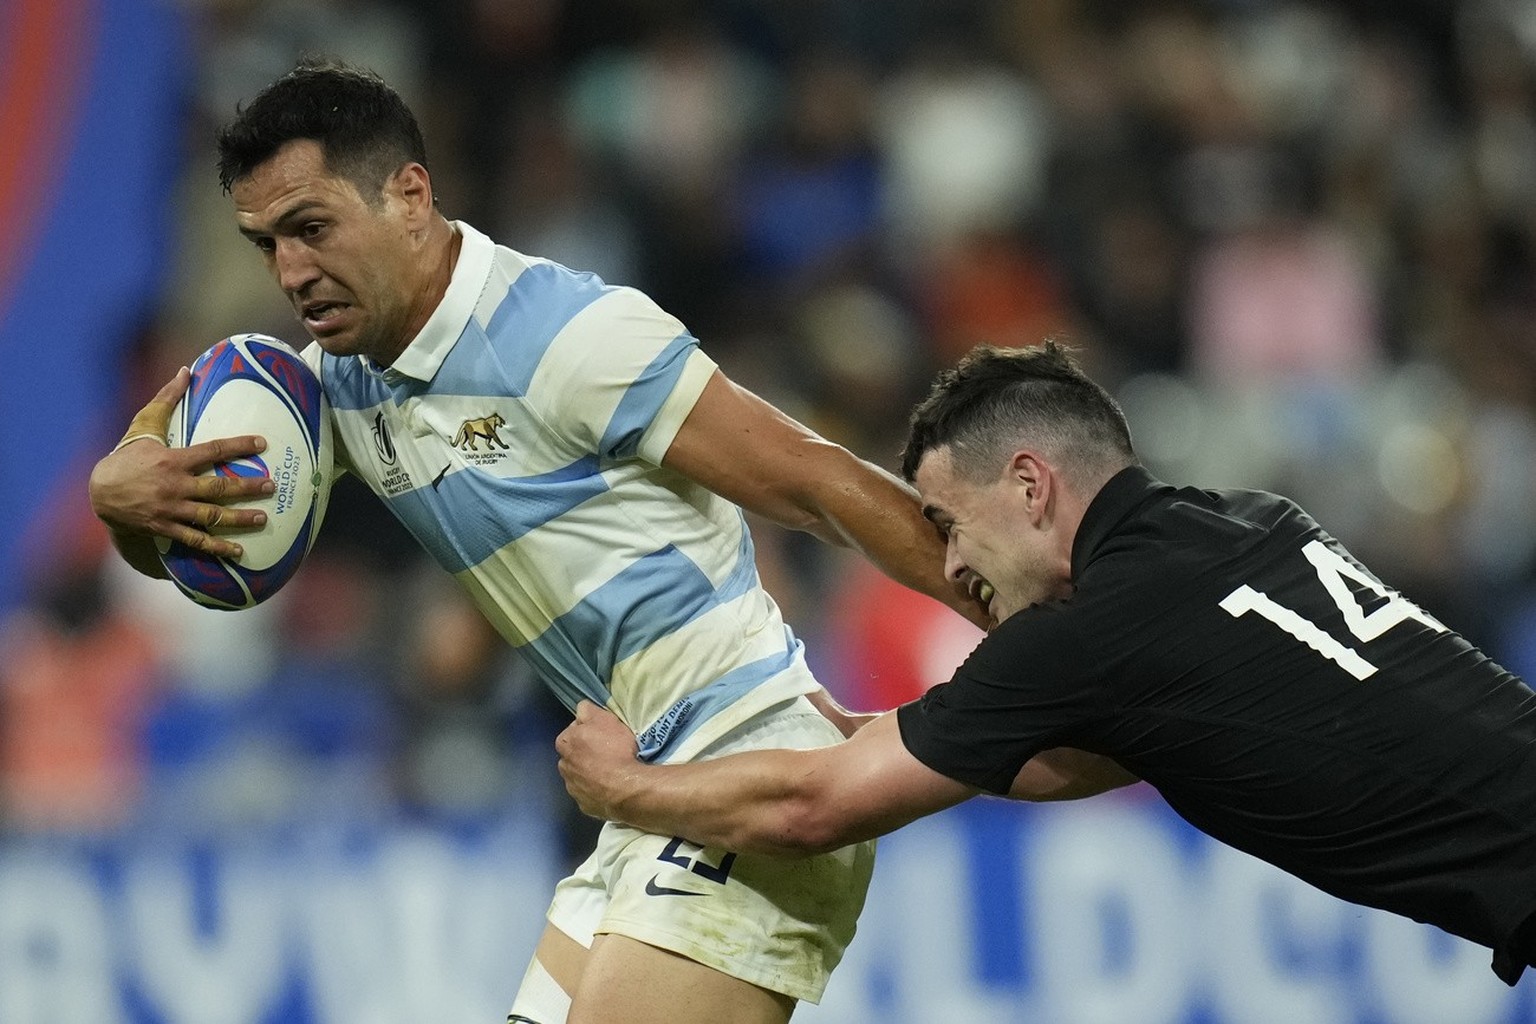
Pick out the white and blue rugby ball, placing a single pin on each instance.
(253, 384)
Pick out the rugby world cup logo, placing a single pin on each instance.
(382, 442)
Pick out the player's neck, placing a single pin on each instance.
(439, 255)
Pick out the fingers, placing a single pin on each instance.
(154, 421)
(149, 490)
(149, 494)
(199, 540)
(199, 457)
(170, 393)
(211, 517)
(591, 711)
(201, 498)
(214, 488)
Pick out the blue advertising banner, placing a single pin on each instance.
(1104, 912)
(91, 97)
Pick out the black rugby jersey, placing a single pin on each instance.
(1225, 649)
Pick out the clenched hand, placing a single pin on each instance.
(597, 760)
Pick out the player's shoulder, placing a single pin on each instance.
(540, 284)
(1176, 543)
(1220, 518)
(571, 320)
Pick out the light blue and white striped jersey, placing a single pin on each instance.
(519, 438)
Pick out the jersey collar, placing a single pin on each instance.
(425, 354)
(1121, 495)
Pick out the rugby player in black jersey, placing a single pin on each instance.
(1217, 644)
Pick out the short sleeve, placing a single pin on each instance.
(1022, 691)
(621, 378)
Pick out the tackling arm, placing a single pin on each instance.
(749, 452)
(790, 802)
(775, 802)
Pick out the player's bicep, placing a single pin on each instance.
(748, 452)
(1067, 774)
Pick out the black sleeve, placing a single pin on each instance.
(1023, 690)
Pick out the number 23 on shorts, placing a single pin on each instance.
(672, 854)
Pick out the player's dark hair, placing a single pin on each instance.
(997, 400)
(364, 128)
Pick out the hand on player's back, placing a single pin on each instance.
(597, 758)
(145, 489)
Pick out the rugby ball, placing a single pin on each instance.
(253, 384)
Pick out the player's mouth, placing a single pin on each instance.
(321, 318)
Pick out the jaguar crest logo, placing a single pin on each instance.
(382, 442)
(486, 428)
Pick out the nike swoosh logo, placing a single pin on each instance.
(652, 889)
(439, 478)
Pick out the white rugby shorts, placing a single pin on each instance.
(781, 924)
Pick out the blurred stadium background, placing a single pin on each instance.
(1297, 239)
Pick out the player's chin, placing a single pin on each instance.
(337, 343)
(1001, 611)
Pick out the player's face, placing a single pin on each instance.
(994, 545)
(348, 265)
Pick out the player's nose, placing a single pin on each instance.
(295, 265)
(954, 566)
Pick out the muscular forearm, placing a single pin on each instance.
(750, 453)
(757, 802)
(882, 518)
(876, 514)
(774, 802)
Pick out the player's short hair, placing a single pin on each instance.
(364, 128)
(998, 400)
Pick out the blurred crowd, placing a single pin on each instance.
(1297, 240)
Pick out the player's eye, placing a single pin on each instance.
(267, 245)
(313, 229)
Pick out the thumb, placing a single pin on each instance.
(155, 417)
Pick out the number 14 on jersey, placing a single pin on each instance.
(1332, 571)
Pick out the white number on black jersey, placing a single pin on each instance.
(1332, 571)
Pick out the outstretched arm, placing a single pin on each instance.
(776, 802)
(1059, 774)
(143, 489)
(790, 802)
(749, 452)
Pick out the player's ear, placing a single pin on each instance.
(1032, 475)
(413, 185)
